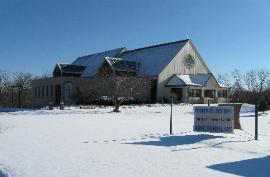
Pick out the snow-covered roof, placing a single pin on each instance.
(94, 61)
(150, 60)
(222, 85)
(68, 68)
(188, 80)
(153, 59)
(124, 65)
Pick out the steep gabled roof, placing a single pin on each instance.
(199, 80)
(94, 61)
(149, 61)
(153, 59)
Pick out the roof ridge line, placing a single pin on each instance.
(195, 74)
(157, 45)
(98, 53)
(69, 64)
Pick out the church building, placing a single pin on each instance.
(170, 70)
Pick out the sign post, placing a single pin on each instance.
(256, 119)
(219, 119)
(171, 116)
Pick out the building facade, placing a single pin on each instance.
(160, 72)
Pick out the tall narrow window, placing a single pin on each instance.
(35, 91)
(67, 91)
(43, 90)
(39, 91)
(51, 90)
(47, 90)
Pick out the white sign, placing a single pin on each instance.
(218, 119)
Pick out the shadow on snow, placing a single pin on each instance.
(258, 167)
(168, 141)
(247, 109)
(6, 110)
(3, 173)
(249, 115)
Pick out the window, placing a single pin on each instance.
(67, 91)
(47, 90)
(209, 93)
(35, 94)
(43, 90)
(222, 94)
(39, 91)
(195, 93)
(51, 90)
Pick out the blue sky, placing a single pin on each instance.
(36, 34)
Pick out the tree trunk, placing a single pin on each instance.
(116, 104)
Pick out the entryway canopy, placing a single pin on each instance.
(198, 80)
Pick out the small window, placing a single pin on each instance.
(35, 91)
(209, 93)
(51, 90)
(47, 90)
(222, 94)
(67, 91)
(43, 90)
(195, 93)
(39, 91)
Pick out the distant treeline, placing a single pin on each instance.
(248, 87)
(15, 89)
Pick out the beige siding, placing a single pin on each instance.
(44, 100)
(212, 84)
(177, 66)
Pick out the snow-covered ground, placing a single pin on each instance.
(97, 143)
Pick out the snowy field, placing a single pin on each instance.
(134, 143)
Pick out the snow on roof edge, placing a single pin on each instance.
(188, 80)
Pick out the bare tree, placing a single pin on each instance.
(224, 79)
(263, 79)
(248, 86)
(119, 89)
(238, 79)
(22, 81)
(114, 90)
(251, 80)
(3, 80)
(4, 83)
(237, 88)
(261, 94)
(257, 81)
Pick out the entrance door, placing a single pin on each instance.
(177, 94)
(57, 94)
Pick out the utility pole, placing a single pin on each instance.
(256, 119)
(171, 115)
(257, 104)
